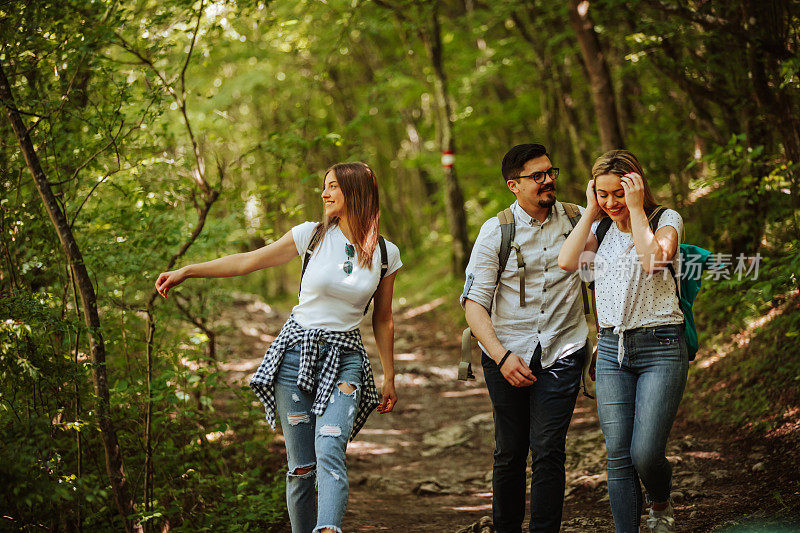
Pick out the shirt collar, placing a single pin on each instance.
(522, 216)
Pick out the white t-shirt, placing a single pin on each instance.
(329, 298)
(627, 297)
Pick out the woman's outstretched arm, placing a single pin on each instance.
(383, 327)
(276, 253)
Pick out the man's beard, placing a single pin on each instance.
(549, 201)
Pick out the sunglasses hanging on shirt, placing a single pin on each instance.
(350, 250)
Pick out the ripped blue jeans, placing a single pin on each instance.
(317, 444)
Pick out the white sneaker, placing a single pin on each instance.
(661, 521)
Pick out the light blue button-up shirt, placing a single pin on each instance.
(553, 315)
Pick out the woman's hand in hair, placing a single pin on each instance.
(167, 280)
(388, 397)
(633, 184)
(592, 207)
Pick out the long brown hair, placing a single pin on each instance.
(361, 205)
(619, 163)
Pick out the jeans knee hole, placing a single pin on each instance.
(330, 430)
(347, 388)
(298, 418)
(302, 472)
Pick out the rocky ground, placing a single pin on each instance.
(426, 467)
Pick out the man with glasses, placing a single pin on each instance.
(533, 347)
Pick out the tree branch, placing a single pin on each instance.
(182, 76)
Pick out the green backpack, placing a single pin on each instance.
(692, 257)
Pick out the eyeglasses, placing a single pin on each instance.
(350, 250)
(539, 177)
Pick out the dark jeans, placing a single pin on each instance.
(535, 418)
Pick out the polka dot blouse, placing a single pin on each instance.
(627, 297)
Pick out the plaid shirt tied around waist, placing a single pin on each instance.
(322, 384)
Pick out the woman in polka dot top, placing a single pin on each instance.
(642, 360)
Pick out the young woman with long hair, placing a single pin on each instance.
(316, 375)
(642, 358)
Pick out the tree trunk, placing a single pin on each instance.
(765, 76)
(563, 85)
(599, 78)
(453, 197)
(114, 464)
(558, 84)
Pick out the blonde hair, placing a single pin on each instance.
(619, 163)
(361, 206)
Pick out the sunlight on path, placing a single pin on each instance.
(427, 466)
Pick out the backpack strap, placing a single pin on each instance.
(655, 216)
(507, 232)
(384, 267)
(573, 213)
(315, 240)
(574, 216)
(602, 229)
(605, 223)
(508, 228)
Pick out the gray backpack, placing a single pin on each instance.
(507, 233)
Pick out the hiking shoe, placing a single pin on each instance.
(661, 521)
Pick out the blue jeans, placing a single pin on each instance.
(316, 443)
(535, 418)
(636, 403)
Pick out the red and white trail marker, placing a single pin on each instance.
(448, 159)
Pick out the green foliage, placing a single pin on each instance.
(139, 110)
(425, 278)
(201, 453)
(247, 501)
(37, 406)
(752, 381)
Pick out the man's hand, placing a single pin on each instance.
(514, 368)
(517, 372)
(593, 365)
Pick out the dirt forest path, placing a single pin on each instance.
(426, 467)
